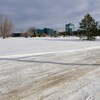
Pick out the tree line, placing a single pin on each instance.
(88, 29)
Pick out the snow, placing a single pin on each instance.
(64, 68)
(36, 46)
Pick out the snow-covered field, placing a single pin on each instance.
(49, 69)
(16, 46)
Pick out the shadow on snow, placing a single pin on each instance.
(47, 62)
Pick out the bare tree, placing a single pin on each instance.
(32, 31)
(27, 34)
(5, 27)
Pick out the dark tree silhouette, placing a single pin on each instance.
(89, 26)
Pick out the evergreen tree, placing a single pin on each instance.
(89, 25)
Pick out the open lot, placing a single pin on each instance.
(49, 69)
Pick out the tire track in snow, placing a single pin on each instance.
(49, 82)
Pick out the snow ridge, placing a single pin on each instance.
(43, 53)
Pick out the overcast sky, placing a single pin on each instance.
(48, 13)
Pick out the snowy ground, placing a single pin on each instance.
(49, 69)
(13, 46)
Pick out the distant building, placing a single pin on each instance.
(69, 27)
(98, 25)
(40, 31)
(49, 31)
(16, 34)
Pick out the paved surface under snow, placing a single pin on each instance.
(55, 76)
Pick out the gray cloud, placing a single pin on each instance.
(48, 13)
